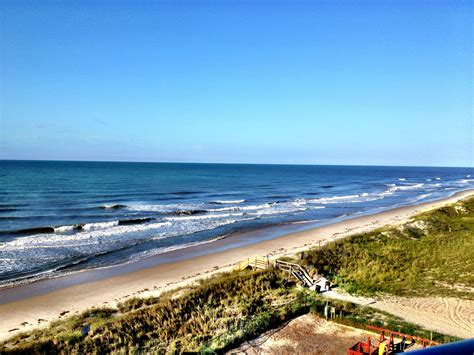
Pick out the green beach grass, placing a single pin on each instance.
(210, 318)
(432, 255)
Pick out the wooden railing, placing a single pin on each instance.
(296, 270)
(256, 262)
(259, 262)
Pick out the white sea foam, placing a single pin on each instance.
(420, 197)
(63, 229)
(203, 217)
(254, 207)
(164, 208)
(464, 181)
(85, 237)
(279, 210)
(208, 208)
(394, 188)
(228, 202)
(401, 179)
(363, 197)
(44, 248)
(223, 209)
(115, 206)
(102, 237)
(367, 197)
(100, 225)
(267, 208)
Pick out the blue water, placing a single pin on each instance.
(59, 217)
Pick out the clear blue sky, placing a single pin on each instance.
(333, 82)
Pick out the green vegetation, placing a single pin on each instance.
(183, 323)
(422, 257)
(212, 317)
(432, 255)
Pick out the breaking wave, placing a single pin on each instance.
(227, 202)
(364, 197)
(112, 207)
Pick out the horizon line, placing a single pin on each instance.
(224, 163)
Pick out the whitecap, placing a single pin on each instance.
(364, 197)
(62, 229)
(406, 187)
(464, 181)
(228, 202)
(100, 225)
(165, 208)
(204, 217)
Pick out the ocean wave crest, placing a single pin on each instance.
(227, 202)
(363, 197)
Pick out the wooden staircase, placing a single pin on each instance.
(293, 269)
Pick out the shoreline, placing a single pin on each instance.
(41, 302)
(32, 286)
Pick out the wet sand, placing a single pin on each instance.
(41, 302)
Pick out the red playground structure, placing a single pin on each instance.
(386, 343)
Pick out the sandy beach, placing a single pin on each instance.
(29, 306)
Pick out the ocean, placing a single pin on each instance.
(62, 217)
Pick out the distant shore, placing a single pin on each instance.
(41, 302)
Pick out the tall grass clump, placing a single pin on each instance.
(181, 324)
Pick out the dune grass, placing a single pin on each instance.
(183, 323)
(209, 318)
(431, 255)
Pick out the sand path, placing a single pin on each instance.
(446, 315)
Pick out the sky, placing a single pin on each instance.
(297, 82)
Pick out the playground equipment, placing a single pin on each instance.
(293, 269)
(386, 343)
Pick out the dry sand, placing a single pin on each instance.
(446, 315)
(40, 310)
(451, 316)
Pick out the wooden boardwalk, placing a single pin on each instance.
(259, 262)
